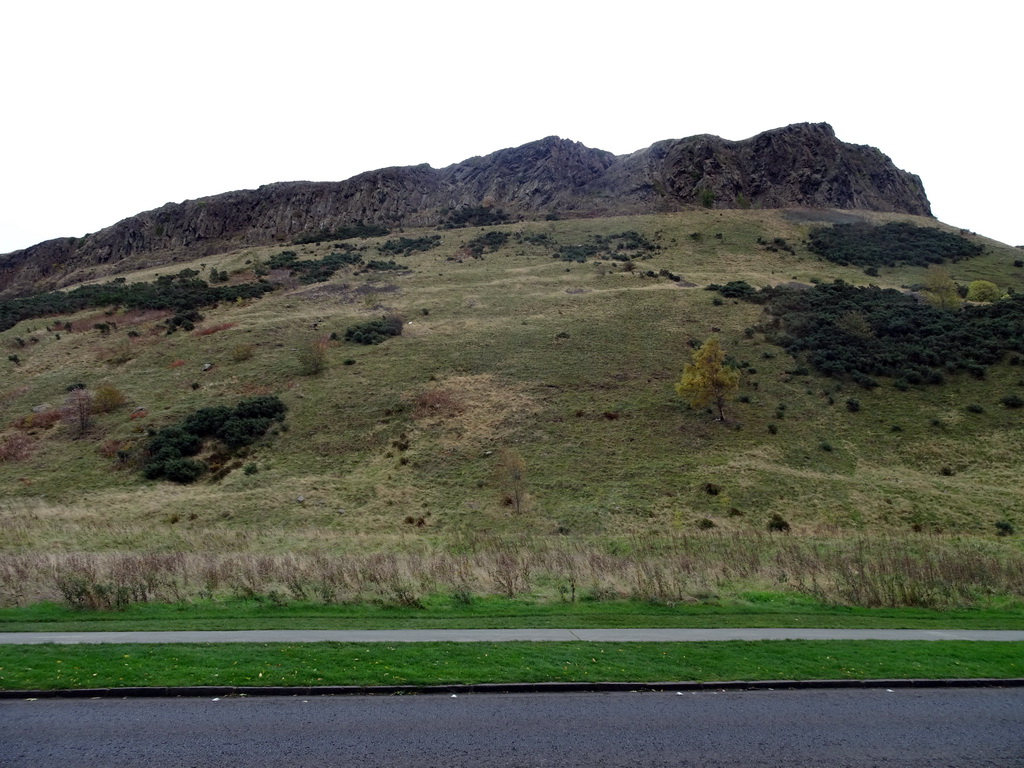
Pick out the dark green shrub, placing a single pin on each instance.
(169, 448)
(862, 333)
(488, 242)
(775, 245)
(375, 331)
(376, 265)
(283, 260)
(706, 524)
(185, 320)
(175, 440)
(206, 422)
(734, 289)
(183, 470)
(1005, 528)
(403, 246)
(263, 407)
(866, 245)
(474, 216)
(343, 233)
(176, 292)
(238, 433)
(1012, 401)
(778, 524)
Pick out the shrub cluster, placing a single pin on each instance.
(170, 450)
(624, 246)
(375, 331)
(865, 332)
(403, 246)
(734, 289)
(343, 233)
(776, 244)
(474, 216)
(183, 292)
(489, 242)
(319, 270)
(185, 320)
(866, 245)
(376, 265)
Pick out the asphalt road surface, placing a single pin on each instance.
(902, 727)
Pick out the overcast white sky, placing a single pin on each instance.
(112, 108)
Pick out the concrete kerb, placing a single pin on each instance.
(205, 691)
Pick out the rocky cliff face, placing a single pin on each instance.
(801, 165)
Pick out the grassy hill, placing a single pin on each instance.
(386, 476)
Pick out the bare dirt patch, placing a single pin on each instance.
(472, 410)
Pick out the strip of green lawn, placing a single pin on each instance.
(756, 610)
(57, 667)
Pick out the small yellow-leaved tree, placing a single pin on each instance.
(707, 380)
(941, 290)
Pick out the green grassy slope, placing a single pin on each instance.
(570, 365)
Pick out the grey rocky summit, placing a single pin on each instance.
(802, 165)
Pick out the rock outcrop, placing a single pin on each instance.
(801, 165)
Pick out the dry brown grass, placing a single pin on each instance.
(211, 329)
(43, 419)
(917, 571)
(475, 410)
(8, 397)
(436, 402)
(15, 447)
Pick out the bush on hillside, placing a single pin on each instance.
(983, 290)
(865, 332)
(489, 242)
(403, 246)
(375, 331)
(474, 216)
(734, 289)
(170, 449)
(866, 245)
(315, 270)
(183, 293)
(343, 233)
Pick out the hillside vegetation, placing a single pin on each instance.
(492, 409)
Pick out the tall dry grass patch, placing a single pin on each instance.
(918, 571)
(472, 410)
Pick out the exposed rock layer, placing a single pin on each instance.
(802, 165)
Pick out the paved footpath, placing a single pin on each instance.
(661, 635)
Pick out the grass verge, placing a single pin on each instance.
(443, 612)
(57, 667)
